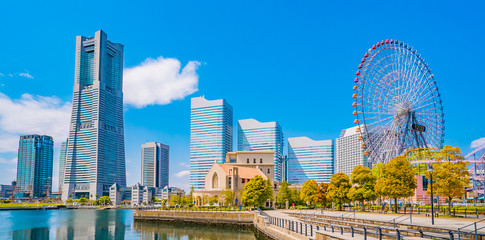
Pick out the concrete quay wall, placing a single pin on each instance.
(200, 217)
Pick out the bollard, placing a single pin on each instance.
(398, 234)
(306, 229)
(420, 233)
(380, 233)
(451, 235)
(365, 233)
(301, 228)
(318, 228)
(324, 228)
(311, 230)
(341, 231)
(332, 229)
(352, 231)
(476, 211)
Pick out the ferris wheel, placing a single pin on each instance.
(397, 102)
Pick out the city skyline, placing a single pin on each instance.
(294, 69)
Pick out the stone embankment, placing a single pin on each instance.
(254, 220)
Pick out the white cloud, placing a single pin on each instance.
(182, 173)
(26, 75)
(8, 161)
(159, 81)
(32, 115)
(478, 143)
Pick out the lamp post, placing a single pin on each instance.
(430, 170)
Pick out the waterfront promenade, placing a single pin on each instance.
(313, 224)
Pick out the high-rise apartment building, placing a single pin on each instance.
(262, 136)
(310, 160)
(348, 151)
(34, 167)
(62, 163)
(154, 164)
(96, 149)
(210, 136)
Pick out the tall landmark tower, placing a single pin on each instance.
(96, 150)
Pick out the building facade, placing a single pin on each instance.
(34, 167)
(96, 149)
(211, 127)
(6, 191)
(348, 151)
(257, 136)
(154, 164)
(62, 163)
(310, 160)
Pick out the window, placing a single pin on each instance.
(248, 160)
(268, 170)
(243, 180)
(254, 161)
(215, 181)
(261, 160)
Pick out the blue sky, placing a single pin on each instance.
(289, 61)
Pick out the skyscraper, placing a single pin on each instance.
(310, 160)
(210, 136)
(154, 164)
(34, 167)
(348, 151)
(96, 149)
(257, 136)
(62, 163)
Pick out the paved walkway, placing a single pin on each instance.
(417, 220)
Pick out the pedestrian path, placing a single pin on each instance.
(465, 224)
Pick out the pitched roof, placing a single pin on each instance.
(243, 172)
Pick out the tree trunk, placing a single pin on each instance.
(395, 205)
(449, 205)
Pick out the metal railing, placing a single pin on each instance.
(474, 231)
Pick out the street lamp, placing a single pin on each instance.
(430, 170)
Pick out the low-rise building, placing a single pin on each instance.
(6, 191)
(167, 192)
(136, 194)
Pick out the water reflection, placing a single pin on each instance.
(103, 224)
(158, 230)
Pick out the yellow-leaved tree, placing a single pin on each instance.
(450, 175)
(308, 191)
(363, 183)
(338, 189)
(397, 180)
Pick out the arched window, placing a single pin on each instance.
(254, 161)
(215, 181)
(261, 160)
(248, 160)
(268, 170)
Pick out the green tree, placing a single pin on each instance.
(363, 183)
(295, 197)
(228, 197)
(338, 189)
(308, 191)
(104, 200)
(83, 200)
(213, 200)
(450, 179)
(284, 194)
(321, 194)
(397, 180)
(174, 200)
(256, 192)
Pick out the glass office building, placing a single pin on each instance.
(34, 166)
(96, 149)
(62, 163)
(210, 136)
(310, 160)
(154, 164)
(348, 151)
(262, 136)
